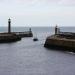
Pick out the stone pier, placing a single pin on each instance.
(13, 36)
(61, 41)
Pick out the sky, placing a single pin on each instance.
(37, 12)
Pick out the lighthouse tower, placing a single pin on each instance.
(9, 25)
(57, 30)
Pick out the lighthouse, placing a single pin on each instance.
(57, 30)
(9, 25)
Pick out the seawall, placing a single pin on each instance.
(14, 36)
(24, 34)
(6, 37)
(62, 43)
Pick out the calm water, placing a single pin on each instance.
(27, 57)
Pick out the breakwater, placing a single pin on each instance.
(6, 37)
(14, 36)
(24, 34)
(55, 42)
(61, 40)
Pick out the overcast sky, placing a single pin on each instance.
(37, 12)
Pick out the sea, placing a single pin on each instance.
(27, 57)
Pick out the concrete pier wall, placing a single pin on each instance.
(57, 42)
(6, 37)
(24, 34)
(14, 36)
